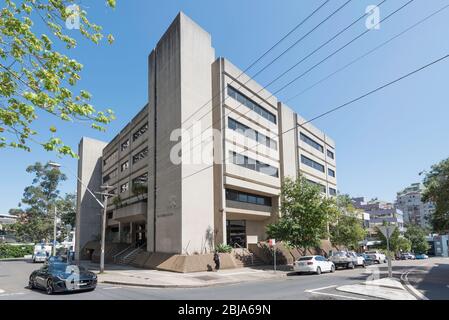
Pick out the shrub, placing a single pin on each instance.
(15, 251)
(223, 248)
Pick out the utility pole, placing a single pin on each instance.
(389, 255)
(103, 224)
(54, 233)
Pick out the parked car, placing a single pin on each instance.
(39, 257)
(62, 277)
(377, 256)
(344, 259)
(422, 256)
(407, 256)
(313, 264)
(368, 259)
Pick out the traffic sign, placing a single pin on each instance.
(387, 231)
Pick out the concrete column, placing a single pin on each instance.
(119, 232)
(131, 231)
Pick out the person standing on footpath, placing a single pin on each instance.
(217, 261)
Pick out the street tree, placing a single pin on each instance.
(305, 214)
(37, 81)
(35, 213)
(417, 237)
(398, 243)
(347, 231)
(437, 191)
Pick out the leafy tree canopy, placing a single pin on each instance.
(417, 237)
(37, 80)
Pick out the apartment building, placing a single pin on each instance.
(203, 161)
(415, 211)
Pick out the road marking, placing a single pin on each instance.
(404, 277)
(111, 288)
(11, 294)
(314, 291)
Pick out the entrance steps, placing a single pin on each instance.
(127, 256)
(245, 258)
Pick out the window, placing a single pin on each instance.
(141, 180)
(311, 142)
(124, 187)
(252, 134)
(332, 192)
(110, 215)
(140, 132)
(233, 93)
(110, 159)
(124, 145)
(331, 172)
(330, 154)
(139, 156)
(240, 196)
(323, 188)
(110, 175)
(124, 166)
(252, 164)
(312, 163)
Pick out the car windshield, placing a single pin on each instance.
(64, 267)
(340, 253)
(305, 258)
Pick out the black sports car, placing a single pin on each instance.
(62, 277)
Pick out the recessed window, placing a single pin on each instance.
(110, 159)
(252, 164)
(110, 175)
(311, 142)
(240, 196)
(140, 132)
(140, 155)
(124, 145)
(332, 192)
(331, 172)
(240, 97)
(311, 163)
(124, 166)
(124, 187)
(322, 187)
(251, 133)
(330, 154)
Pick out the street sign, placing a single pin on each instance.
(387, 231)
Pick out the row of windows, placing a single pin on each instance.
(140, 155)
(332, 191)
(240, 196)
(139, 181)
(311, 142)
(244, 100)
(110, 159)
(315, 144)
(252, 164)
(312, 163)
(110, 175)
(331, 172)
(251, 133)
(140, 132)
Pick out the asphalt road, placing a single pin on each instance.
(429, 276)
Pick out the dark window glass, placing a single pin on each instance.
(240, 196)
(330, 154)
(331, 172)
(311, 142)
(332, 192)
(252, 164)
(312, 163)
(251, 133)
(251, 104)
(140, 132)
(323, 188)
(124, 145)
(142, 154)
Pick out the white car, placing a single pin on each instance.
(377, 256)
(40, 257)
(313, 264)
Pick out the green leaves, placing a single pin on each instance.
(36, 79)
(111, 3)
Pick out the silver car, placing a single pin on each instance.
(39, 257)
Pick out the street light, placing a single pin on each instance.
(102, 205)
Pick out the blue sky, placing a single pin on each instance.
(383, 141)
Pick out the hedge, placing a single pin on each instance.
(15, 251)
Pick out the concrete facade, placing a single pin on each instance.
(179, 189)
(415, 211)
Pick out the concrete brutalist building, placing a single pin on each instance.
(184, 207)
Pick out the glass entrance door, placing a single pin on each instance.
(236, 233)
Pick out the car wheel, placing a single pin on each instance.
(363, 264)
(351, 265)
(318, 270)
(332, 269)
(50, 288)
(31, 283)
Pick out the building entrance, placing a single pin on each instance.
(236, 233)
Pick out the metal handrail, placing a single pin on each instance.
(123, 251)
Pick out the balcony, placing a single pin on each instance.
(131, 213)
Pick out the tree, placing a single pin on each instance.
(398, 243)
(36, 79)
(305, 214)
(437, 191)
(417, 237)
(35, 222)
(347, 230)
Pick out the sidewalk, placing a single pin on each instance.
(129, 276)
(385, 288)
